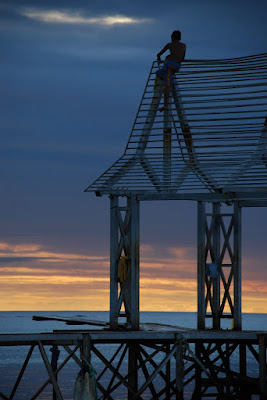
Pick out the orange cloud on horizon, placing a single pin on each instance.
(81, 282)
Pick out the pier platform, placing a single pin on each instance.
(163, 363)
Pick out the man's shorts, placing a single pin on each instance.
(167, 72)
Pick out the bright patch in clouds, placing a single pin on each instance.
(60, 17)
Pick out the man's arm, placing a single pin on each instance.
(165, 48)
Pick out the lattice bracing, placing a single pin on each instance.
(212, 138)
(160, 365)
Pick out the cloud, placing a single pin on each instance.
(66, 17)
(35, 276)
(38, 252)
(26, 261)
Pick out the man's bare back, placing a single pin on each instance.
(177, 51)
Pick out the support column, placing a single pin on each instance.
(124, 261)
(179, 371)
(132, 370)
(114, 235)
(262, 367)
(201, 266)
(219, 285)
(54, 360)
(237, 267)
(134, 258)
(215, 259)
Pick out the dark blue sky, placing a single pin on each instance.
(72, 74)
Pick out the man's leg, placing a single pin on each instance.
(167, 90)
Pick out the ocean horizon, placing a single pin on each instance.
(21, 321)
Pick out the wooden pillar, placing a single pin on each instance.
(237, 267)
(244, 393)
(124, 241)
(54, 360)
(198, 386)
(262, 367)
(168, 374)
(134, 258)
(179, 371)
(201, 266)
(114, 237)
(132, 370)
(216, 256)
(86, 348)
(219, 239)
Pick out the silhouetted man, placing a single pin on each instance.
(172, 63)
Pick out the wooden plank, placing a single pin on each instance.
(156, 327)
(70, 320)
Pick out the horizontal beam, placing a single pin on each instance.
(75, 337)
(249, 199)
(253, 203)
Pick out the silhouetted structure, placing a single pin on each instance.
(208, 146)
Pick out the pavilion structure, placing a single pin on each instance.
(209, 146)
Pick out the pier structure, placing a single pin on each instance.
(209, 146)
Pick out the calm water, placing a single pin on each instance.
(21, 322)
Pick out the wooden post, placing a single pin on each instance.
(179, 371)
(262, 367)
(216, 254)
(124, 237)
(54, 359)
(86, 347)
(132, 370)
(50, 371)
(243, 371)
(201, 266)
(197, 389)
(114, 233)
(237, 267)
(168, 375)
(134, 246)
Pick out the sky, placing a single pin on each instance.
(72, 74)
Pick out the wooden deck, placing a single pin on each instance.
(161, 362)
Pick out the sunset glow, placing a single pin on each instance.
(36, 278)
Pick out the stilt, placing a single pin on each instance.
(124, 241)
(219, 248)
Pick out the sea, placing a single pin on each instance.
(35, 375)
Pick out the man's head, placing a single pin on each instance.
(176, 35)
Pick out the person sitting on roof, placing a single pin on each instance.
(172, 63)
